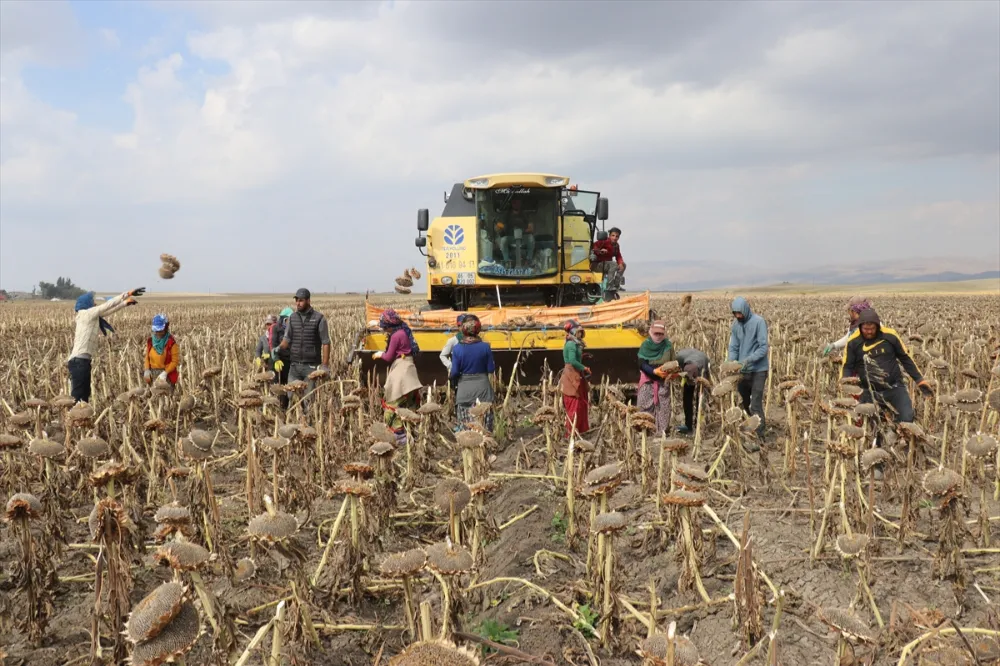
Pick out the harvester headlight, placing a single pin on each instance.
(556, 181)
(575, 279)
(446, 280)
(479, 182)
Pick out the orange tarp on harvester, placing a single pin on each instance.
(621, 311)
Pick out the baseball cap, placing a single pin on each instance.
(658, 326)
(160, 322)
(303, 293)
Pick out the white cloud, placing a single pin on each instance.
(109, 37)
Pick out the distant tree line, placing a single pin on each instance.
(62, 289)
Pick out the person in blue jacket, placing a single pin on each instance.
(472, 366)
(748, 345)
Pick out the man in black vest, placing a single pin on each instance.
(307, 338)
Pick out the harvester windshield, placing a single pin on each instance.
(518, 231)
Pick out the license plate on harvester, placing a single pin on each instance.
(466, 278)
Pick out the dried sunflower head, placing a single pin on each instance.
(175, 640)
(847, 623)
(23, 505)
(272, 528)
(452, 493)
(447, 558)
(610, 522)
(406, 563)
(851, 546)
(980, 445)
(149, 617)
(435, 653)
(182, 556)
(93, 447)
(941, 482)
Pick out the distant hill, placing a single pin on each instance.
(698, 275)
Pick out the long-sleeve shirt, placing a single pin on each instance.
(399, 345)
(85, 338)
(263, 346)
(605, 250)
(473, 358)
(155, 361)
(573, 355)
(885, 353)
(446, 351)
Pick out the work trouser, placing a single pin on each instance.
(79, 378)
(612, 273)
(300, 372)
(751, 388)
(281, 378)
(896, 397)
(527, 247)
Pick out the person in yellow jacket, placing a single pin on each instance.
(162, 352)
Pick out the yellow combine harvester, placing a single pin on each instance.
(514, 249)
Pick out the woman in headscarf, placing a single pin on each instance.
(855, 307)
(471, 367)
(573, 380)
(162, 352)
(402, 384)
(654, 392)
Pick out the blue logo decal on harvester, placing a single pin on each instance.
(454, 235)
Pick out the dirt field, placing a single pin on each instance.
(931, 563)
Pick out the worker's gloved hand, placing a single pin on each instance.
(131, 301)
(137, 292)
(265, 356)
(593, 257)
(826, 349)
(324, 368)
(147, 377)
(257, 362)
(587, 372)
(377, 355)
(660, 372)
(925, 387)
(279, 365)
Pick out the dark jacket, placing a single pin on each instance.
(877, 361)
(694, 357)
(277, 334)
(306, 334)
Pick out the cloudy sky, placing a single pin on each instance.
(276, 145)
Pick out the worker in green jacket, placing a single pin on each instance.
(573, 380)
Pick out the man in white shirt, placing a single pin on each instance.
(445, 355)
(90, 321)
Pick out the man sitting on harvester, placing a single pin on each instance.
(606, 257)
(516, 233)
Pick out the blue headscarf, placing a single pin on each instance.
(85, 302)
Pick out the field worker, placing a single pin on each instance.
(471, 367)
(162, 352)
(402, 384)
(307, 340)
(748, 345)
(573, 380)
(90, 320)
(694, 364)
(855, 307)
(874, 354)
(606, 256)
(653, 396)
(450, 343)
(276, 334)
(262, 354)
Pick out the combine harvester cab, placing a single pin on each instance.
(514, 249)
